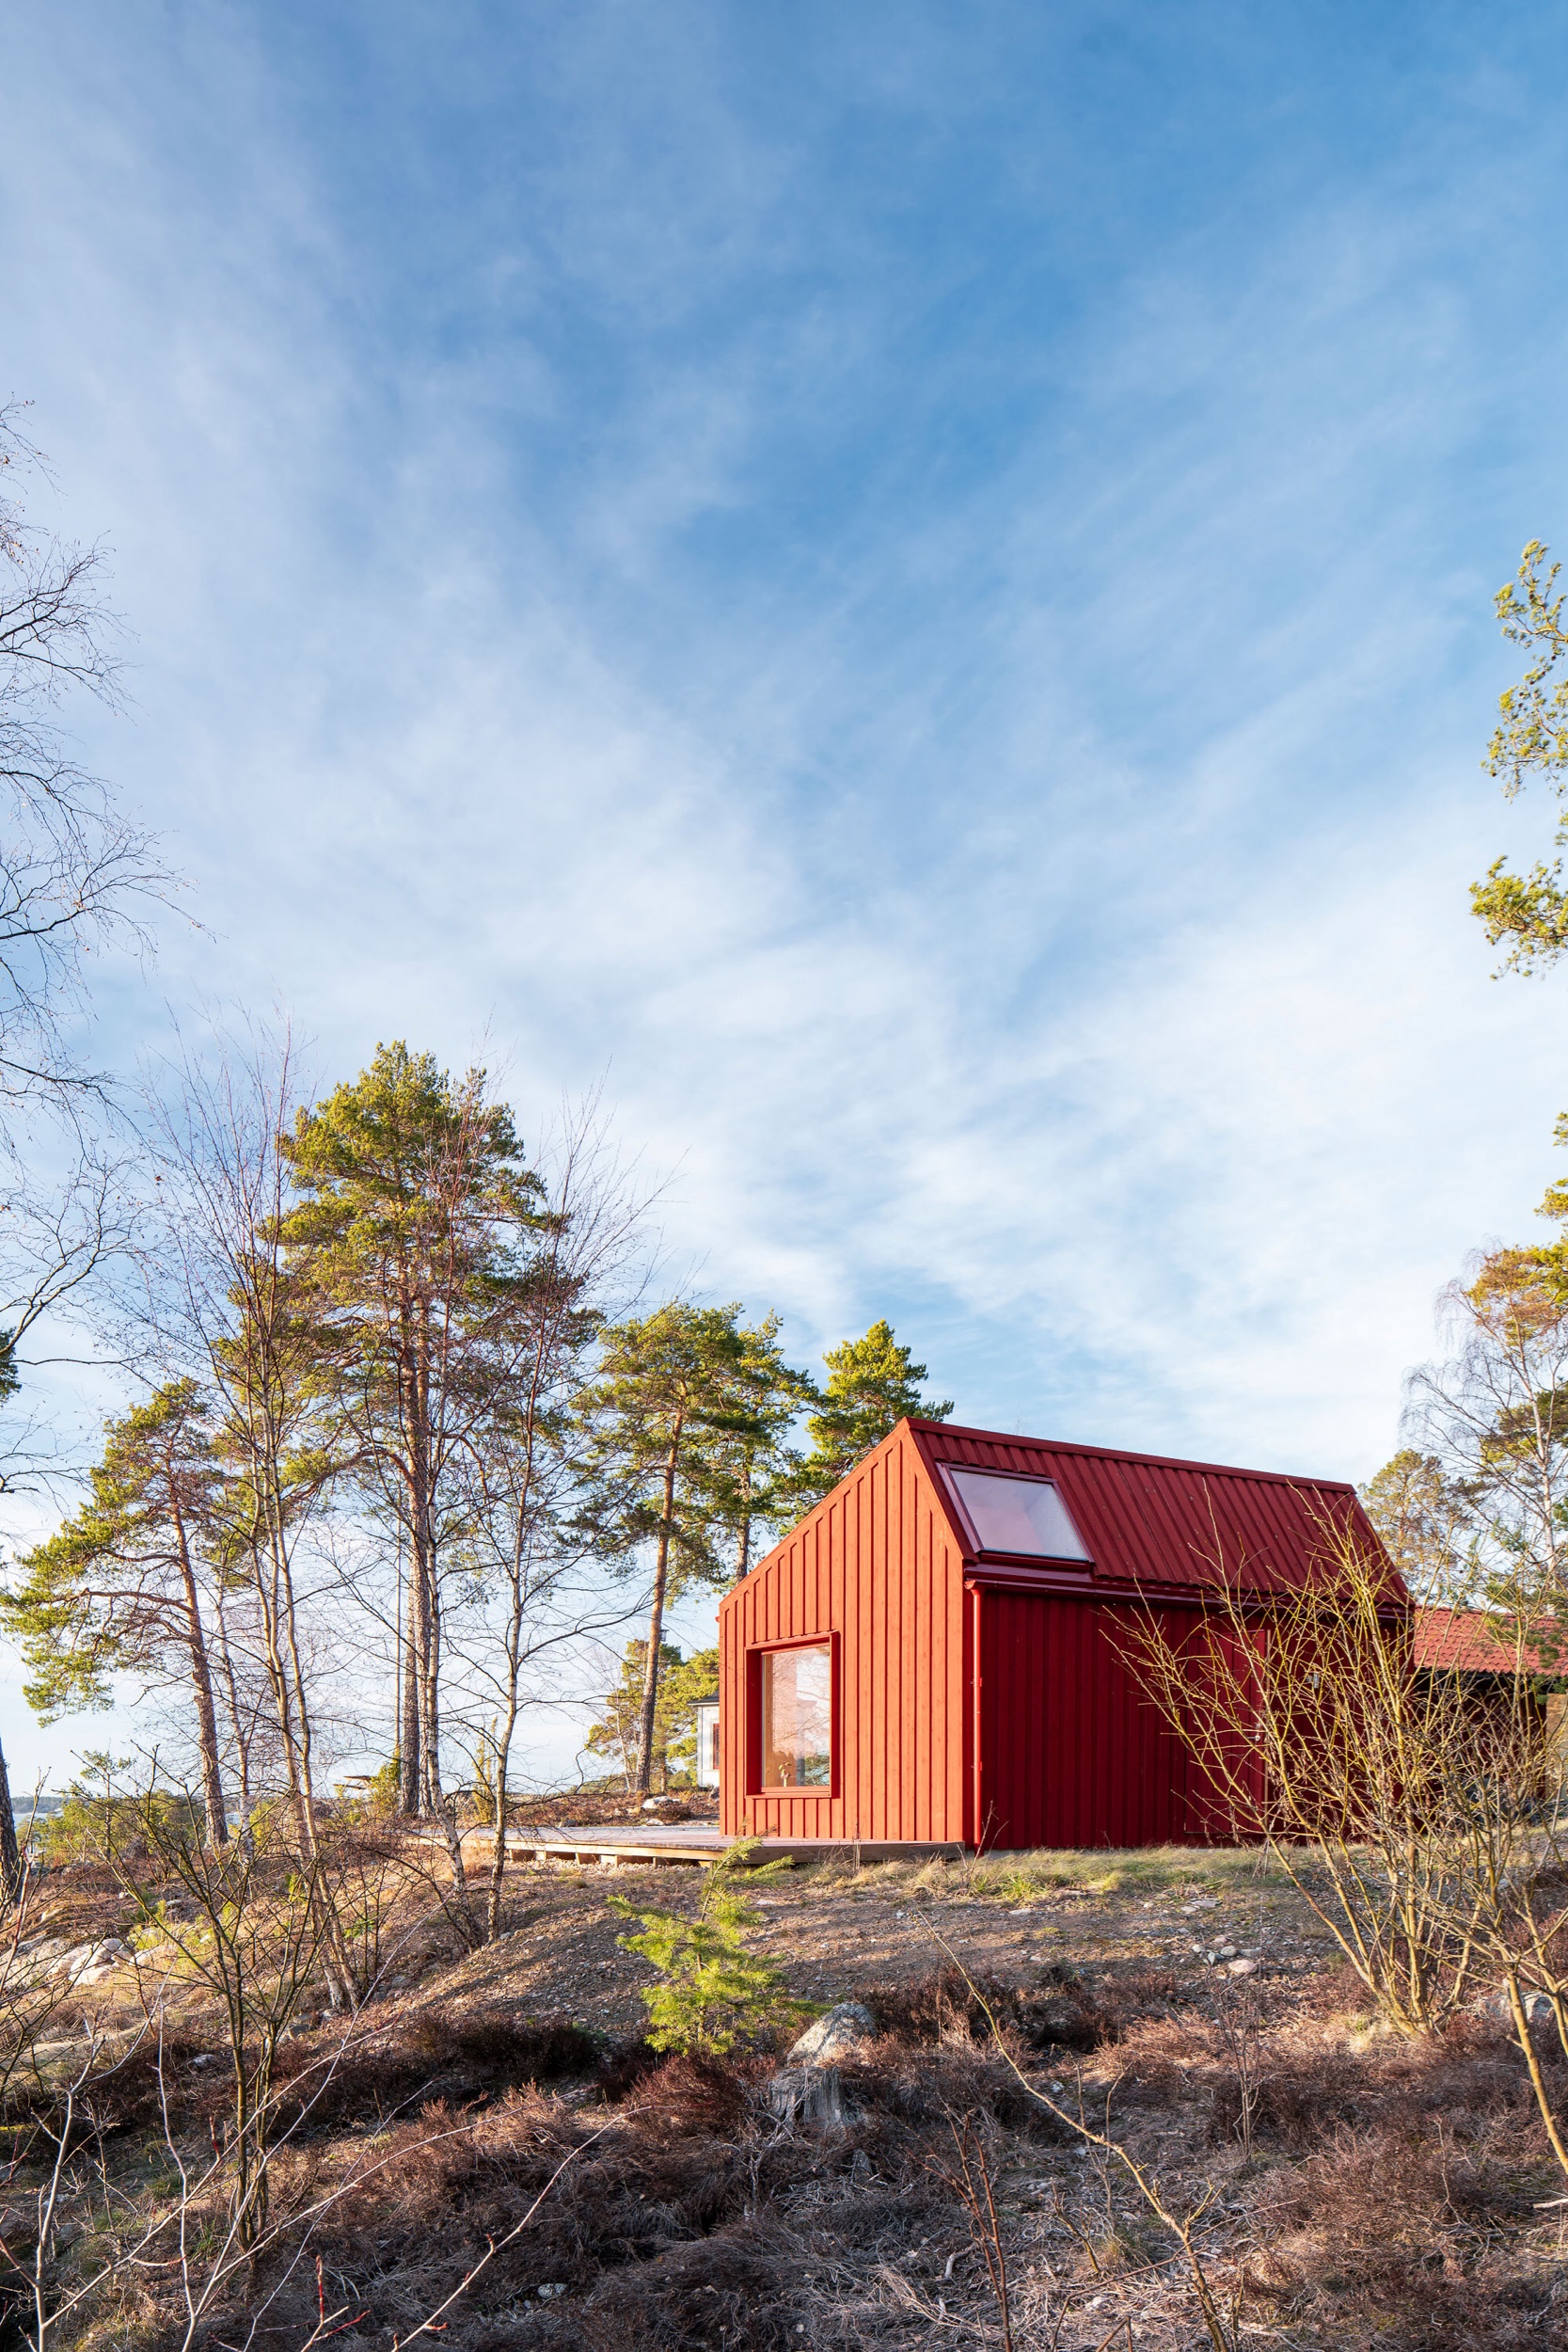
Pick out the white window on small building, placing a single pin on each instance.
(707, 1743)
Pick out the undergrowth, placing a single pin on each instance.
(523, 2182)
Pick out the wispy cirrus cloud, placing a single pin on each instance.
(918, 596)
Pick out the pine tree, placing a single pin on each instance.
(119, 1588)
(680, 1395)
(712, 1986)
(1422, 1518)
(617, 1732)
(682, 1681)
(756, 1470)
(871, 1386)
(694, 1678)
(417, 1213)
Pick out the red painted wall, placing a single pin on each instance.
(1072, 1753)
(876, 1566)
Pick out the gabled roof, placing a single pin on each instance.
(1462, 1641)
(1158, 1523)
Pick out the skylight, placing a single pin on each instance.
(1022, 1515)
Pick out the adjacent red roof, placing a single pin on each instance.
(1463, 1640)
(1151, 1521)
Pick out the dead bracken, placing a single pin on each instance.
(496, 2148)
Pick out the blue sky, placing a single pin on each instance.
(909, 585)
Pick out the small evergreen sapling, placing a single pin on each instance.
(712, 1988)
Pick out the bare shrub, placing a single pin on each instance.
(966, 2172)
(259, 1924)
(1307, 1728)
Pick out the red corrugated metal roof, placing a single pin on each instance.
(1160, 1523)
(1462, 1641)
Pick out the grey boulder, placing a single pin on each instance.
(827, 2040)
(806, 2088)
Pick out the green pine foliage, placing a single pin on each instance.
(692, 1679)
(756, 1469)
(713, 1989)
(872, 1385)
(681, 1429)
(1423, 1518)
(110, 1592)
(1529, 913)
(663, 1422)
(682, 1681)
(123, 1585)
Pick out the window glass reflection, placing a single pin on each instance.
(1019, 1515)
(797, 1718)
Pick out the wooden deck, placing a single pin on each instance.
(696, 1847)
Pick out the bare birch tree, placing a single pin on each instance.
(535, 1591)
(76, 875)
(236, 1295)
(1493, 1414)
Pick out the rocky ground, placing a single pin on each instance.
(833, 1929)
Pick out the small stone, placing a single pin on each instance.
(834, 2037)
(806, 2094)
(1243, 1967)
(1538, 2014)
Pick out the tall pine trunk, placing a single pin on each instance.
(408, 1728)
(11, 1859)
(655, 1618)
(201, 1691)
(214, 1801)
(502, 1745)
(242, 1728)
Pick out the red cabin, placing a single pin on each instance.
(1497, 1678)
(930, 1658)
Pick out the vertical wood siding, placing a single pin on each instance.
(875, 1565)
(1072, 1753)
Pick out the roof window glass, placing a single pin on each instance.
(1024, 1516)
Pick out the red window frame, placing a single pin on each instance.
(756, 1786)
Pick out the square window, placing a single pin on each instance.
(797, 1718)
(1024, 1516)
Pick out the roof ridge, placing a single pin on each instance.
(1126, 1454)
